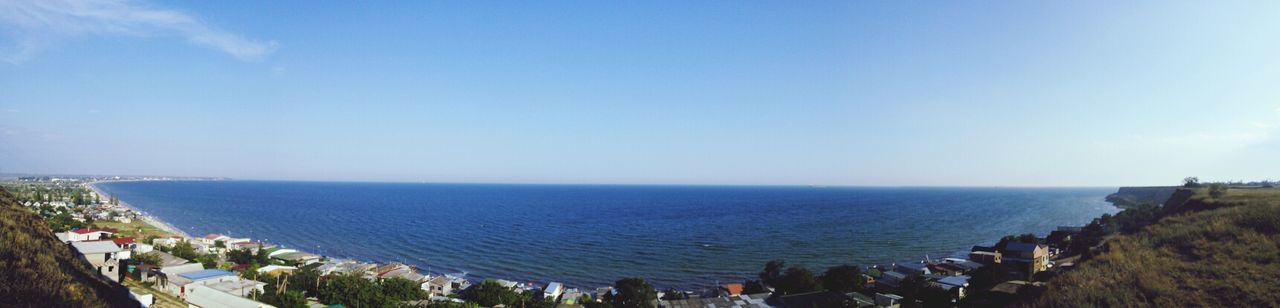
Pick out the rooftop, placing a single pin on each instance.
(205, 274)
(95, 247)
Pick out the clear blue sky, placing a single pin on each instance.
(1021, 93)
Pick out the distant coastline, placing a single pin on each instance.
(492, 259)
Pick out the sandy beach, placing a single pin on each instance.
(148, 219)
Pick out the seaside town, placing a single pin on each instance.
(164, 267)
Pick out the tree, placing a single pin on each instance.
(220, 244)
(1029, 238)
(400, 289)
(673, 294)
(351, 290)
(632, 292)
(489, 293)
(184, 250)
(772, 270)
(796, 280)
(208, 260)
(1191, 181)
(146, 258)
(843, 279)
(910, 288)
(753, 287)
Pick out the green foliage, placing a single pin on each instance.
(673, 294)
(843, 279)
(400, 289)
(352, 291)
(1223, 255)
(753, 287)
(1024, 238)
(37, 270)
(797, 280)
(1217, 190)
(146, 258)
(489, 293)
(208, 260)
(184, 250)
(632, 293)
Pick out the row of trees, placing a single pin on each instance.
(794, 280)
(628, 293)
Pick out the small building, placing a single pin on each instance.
(208, 297)
(888, 300)
(89, 234)
(732, 289)
(276, 270)
(180, 283)
(239, 287)
(985, 257)
(553, 290)
(438, 286)
(105, 256)
(1033, 257)
(912, 268)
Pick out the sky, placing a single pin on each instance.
(865, 93)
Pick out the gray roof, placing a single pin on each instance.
(96, 247)
(1021, 247)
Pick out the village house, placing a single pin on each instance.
(1034, 258)
(89, 234)
(104, 256)
(180, 282)
(438, 286)
(985, 257)
(208, 297)
(553, 291)
(275, 270)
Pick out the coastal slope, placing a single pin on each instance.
(37, 270)
(1207, 252)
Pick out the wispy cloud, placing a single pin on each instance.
(33, 25)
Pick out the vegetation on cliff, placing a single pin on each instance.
(37, 270)
(1215, 247)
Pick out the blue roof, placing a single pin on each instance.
(205, 274)
(1021, 247)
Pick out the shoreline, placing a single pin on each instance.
(164, 226)
(146, 217)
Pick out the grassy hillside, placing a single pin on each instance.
(36, 270)
(1216, 252)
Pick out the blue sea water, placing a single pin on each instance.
(591, 235)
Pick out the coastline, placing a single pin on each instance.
(146, 218)
(936, 253)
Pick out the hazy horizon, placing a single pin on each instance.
(1081, 94)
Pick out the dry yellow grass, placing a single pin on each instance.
(1226, 256)
(37, 270)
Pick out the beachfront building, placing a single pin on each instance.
(438, 286)
(986, 257)
(553, 291)
(181, 282)
(104, 256)
(1034, 258)
(276, 270)
(209, 297)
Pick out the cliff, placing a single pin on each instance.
(37, 270)
(1207, 252)
(1134, 196)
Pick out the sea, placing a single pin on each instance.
(588, 236)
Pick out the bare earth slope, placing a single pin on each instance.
(1222, 252)
(36, 270)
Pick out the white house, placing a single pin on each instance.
(88, 234)
(553, 290)
(207, 297)
(105, 256)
